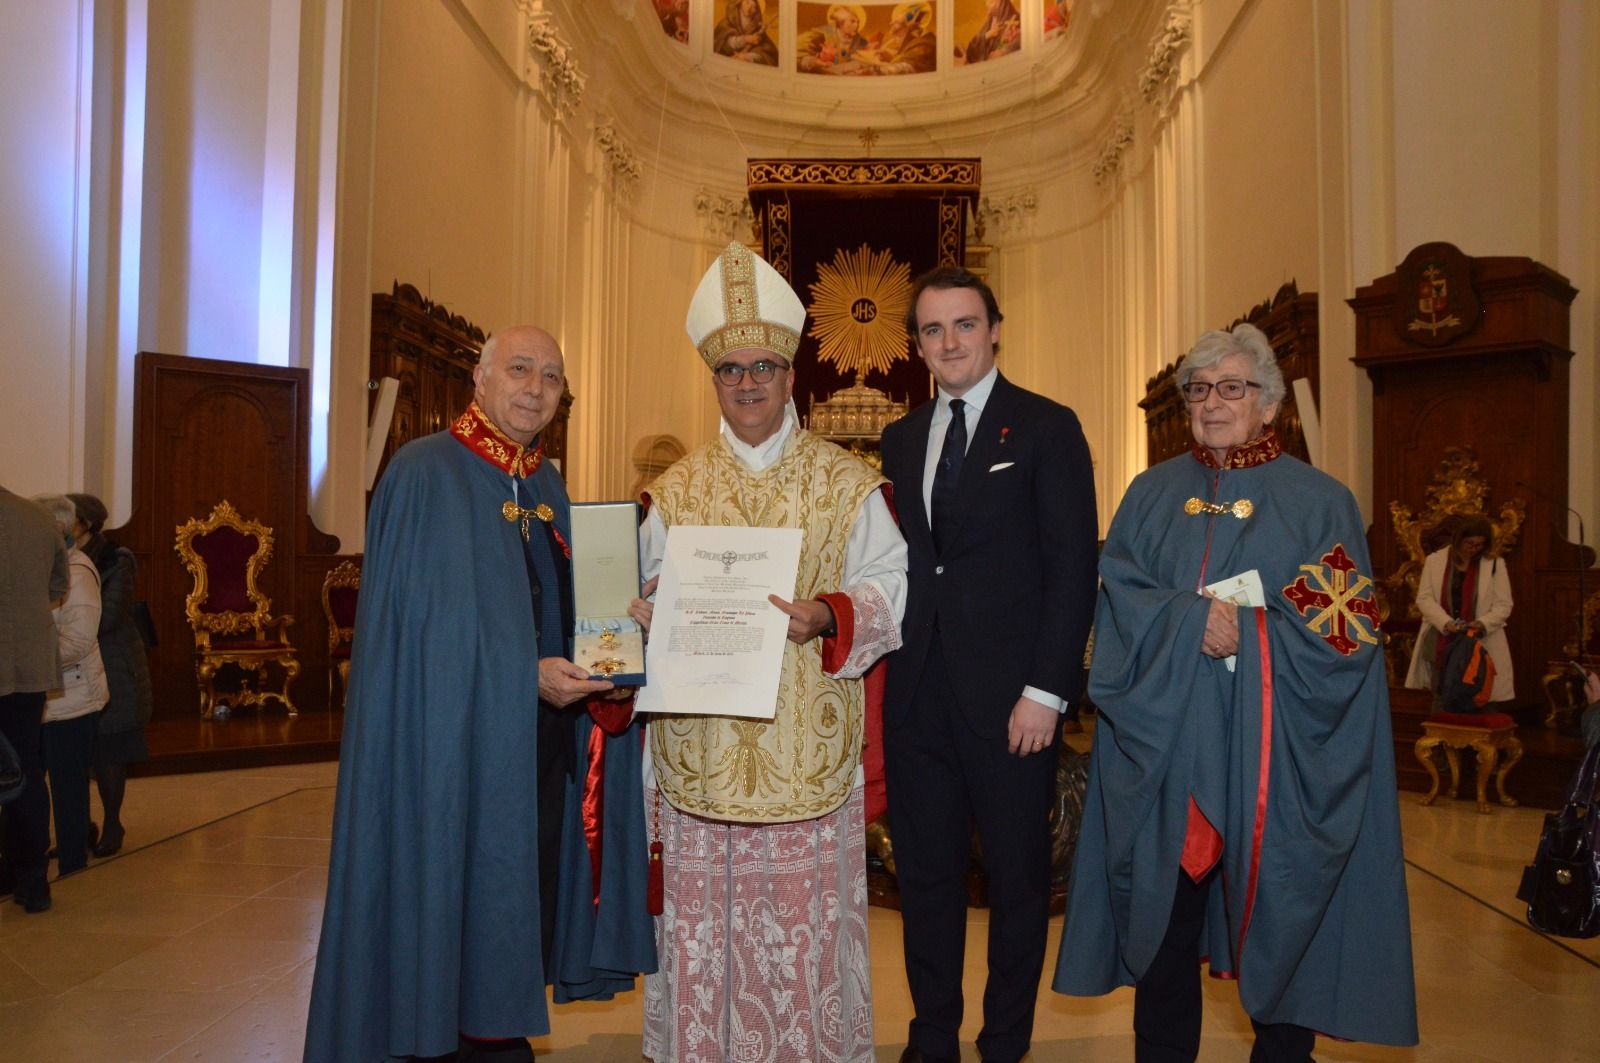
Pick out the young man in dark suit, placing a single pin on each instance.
(995, 493)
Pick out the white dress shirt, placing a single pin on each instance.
(976, 397)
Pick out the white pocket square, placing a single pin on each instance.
(997, 466)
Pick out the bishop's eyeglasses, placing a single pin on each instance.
(1197, 390)
(729, 374)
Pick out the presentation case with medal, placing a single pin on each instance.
(605, 578)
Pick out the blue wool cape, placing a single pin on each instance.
(604, 937)
(1289, 757)
(432, 923)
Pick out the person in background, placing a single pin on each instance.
(73, 708)
(119, 737)
(1462, 590)
(34, 576)
(1590, 725)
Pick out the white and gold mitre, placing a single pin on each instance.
(744, 303)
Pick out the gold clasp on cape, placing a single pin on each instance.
(1240, 509)
(513, 512)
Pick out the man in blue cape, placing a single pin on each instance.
(1241, 802)
(459, 770)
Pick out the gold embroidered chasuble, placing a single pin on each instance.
(801, 764)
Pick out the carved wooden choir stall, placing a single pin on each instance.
(1469, 359)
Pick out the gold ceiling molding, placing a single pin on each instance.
(858, 308)
(961, 175)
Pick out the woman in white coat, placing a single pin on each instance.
(73, 708)
(1463, 590)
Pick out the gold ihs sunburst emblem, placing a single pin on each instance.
(858, 308)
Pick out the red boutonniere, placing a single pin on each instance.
(1003, 433)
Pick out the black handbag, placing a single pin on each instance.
(1562, 885)
(11, 778)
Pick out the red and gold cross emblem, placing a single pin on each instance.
(1335, 604)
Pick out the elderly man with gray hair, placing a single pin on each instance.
(1241, 803)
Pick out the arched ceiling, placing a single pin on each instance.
(799, 81)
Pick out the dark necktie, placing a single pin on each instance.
(948, 472)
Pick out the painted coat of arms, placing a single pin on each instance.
(1436, 302)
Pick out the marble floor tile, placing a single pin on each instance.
(197, 944)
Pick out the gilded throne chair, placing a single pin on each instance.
(340, 591)
(231, 617)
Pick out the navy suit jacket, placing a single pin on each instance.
(1009, 601)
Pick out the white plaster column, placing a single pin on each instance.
(47, 57)
(351, 42)
(1355, 218)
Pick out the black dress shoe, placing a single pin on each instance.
(110, 842)
(33, 900)
(913, 1054)
(510, 1050)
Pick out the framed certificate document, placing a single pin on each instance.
(716, 642)
(605, 578)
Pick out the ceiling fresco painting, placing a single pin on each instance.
(986, 29)
(674, 16)
(866, 40)
(1057, 13)
(747, 30)
(876, 38)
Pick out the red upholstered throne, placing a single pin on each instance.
(340, 591)
(231, 617)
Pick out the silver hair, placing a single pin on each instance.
(487, 353)
(1244, 339)
(61, 508)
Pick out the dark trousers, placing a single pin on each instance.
(68, 747)
(1166, 1001)
(943, 777)
(27, 819)
(557, 761)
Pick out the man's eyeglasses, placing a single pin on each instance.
(729, 374)
(1197, 390)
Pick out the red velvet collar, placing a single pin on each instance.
(1260, 450)
(478, 434)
